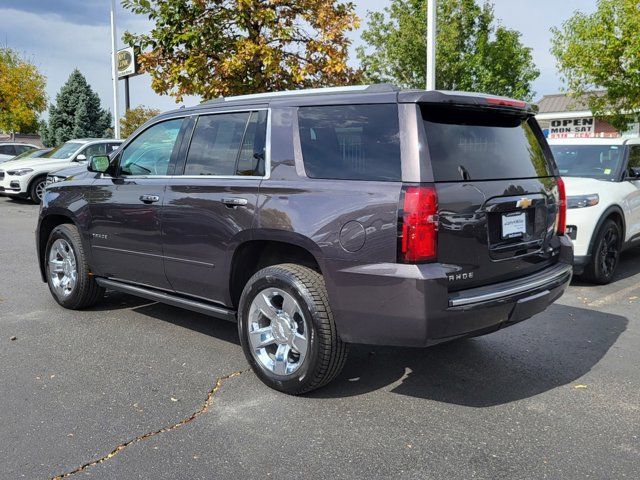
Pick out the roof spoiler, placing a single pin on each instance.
(466, 99)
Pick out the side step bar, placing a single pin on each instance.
(169, 299)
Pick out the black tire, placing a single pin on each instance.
(36, 184)
(325, 354)
(86, 291)
(605, 255)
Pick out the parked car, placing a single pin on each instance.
(8, 150)
(602, 178)
(27, 177)
(32, 153)
(319, 218)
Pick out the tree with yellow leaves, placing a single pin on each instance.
(22, 93)
(218, 48)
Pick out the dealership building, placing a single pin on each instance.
(561, 116)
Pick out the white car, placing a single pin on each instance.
(9, 150)
(27, 177)
(602, 181)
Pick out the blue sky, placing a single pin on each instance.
(59, 35)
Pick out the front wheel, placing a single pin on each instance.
(287, 329)
(68, 275)
(606, 254)
(36, 191)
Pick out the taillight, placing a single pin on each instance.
(419, 224)
(561, 219)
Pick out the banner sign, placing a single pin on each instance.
(573, 128)
(126, 62)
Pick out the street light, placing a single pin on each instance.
(431, 44)
(114, 69)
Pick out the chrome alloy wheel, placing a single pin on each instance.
(63, 271)
(40, 190)
(278, 333)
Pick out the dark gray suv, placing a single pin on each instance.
(320, 218)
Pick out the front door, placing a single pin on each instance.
(126, 208)
(633, 197)
(210, 207)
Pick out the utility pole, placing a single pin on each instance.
(431, 44)
(114, 69)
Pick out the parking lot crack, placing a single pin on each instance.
(204, 407)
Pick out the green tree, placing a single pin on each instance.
(602, 51)
(474, 53)
(22, 93)
(136, 117)
(76, 114)
(214, 47)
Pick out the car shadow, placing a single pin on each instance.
(553, 349)
(628, 266)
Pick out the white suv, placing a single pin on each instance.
(602, 180)
(9, 150)
(27, 177)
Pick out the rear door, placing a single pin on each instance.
(633, 198)
(497, 193)
(209, 207)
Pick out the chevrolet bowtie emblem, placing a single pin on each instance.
(524, 203)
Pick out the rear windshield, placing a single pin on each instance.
(482, 145)
(351, 142)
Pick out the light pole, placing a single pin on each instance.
(431, 44)
(114, 69)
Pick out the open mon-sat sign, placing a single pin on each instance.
(572, 128)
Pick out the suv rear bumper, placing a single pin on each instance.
(409, 305)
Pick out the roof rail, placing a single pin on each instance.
(376, 88)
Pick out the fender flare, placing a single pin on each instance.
(612, 209)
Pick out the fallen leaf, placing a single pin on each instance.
(13, 338)
(579, 387)
(174, 399)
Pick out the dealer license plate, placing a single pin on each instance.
(514, 225)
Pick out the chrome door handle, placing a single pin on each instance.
(235, 202)
(149, 198)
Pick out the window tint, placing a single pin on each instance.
(353, 142)
(253, 152)
(480, 145)
(215, 144)
(634, 156)
(97, 149)
(591, 161)
(150, 152)
(7, 150)
(22, 148)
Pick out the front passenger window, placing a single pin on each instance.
(150, 152)
(634, 158)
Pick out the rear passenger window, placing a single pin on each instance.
(351, 142)
(466, 144)
(228, 144)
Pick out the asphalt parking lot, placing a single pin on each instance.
(134, 389)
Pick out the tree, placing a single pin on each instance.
(76, 114)
(134, 118)
(473, 52)
(229, 47)
(22, 93)
(602, 51)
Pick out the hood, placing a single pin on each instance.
(584, 186)
(35, 163)
(70, 171)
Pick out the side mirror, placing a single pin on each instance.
(634, 173)
(81, 158)
(98, 164)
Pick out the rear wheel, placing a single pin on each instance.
(36, 190)
(68, 275)
(606, 254)
(287, 329)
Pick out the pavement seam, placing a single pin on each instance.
(203, 409)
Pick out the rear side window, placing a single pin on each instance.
(482, 145)
(352, 142)
(228, 144)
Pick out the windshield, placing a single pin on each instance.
(63, 151)
(601, 162)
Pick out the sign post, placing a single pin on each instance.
(431, 44)
(114, 70)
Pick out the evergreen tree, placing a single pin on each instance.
(76, 114)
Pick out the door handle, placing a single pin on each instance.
(149, 198)
(235, 202)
